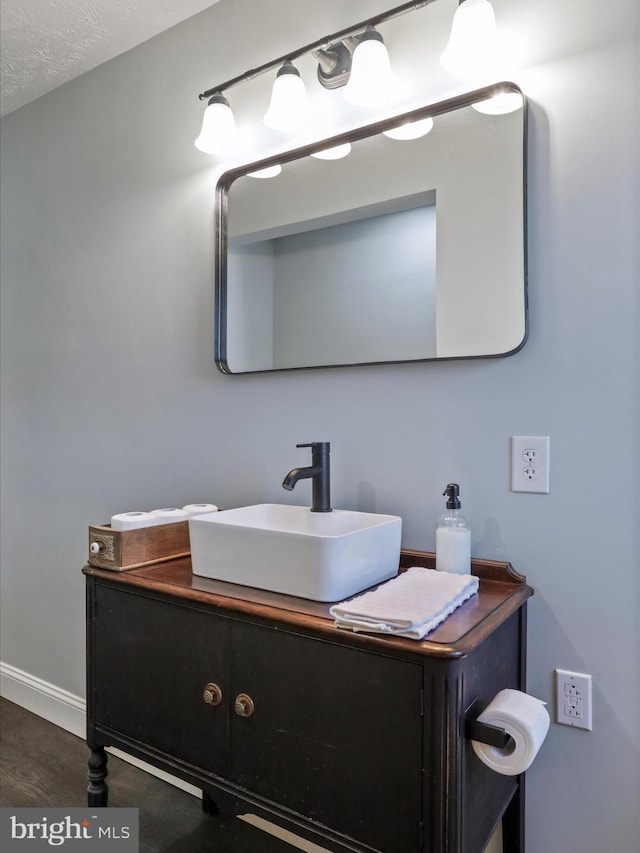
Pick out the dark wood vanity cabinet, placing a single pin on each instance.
(353, 741)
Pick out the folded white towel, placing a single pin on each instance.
(409, 605)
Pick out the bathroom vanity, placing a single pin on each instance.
(357, 742)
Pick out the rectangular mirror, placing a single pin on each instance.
(404, 250)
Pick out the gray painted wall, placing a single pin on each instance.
(111, 400)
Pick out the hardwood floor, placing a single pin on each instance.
(44, 765)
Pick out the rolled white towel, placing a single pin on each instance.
(409, 605)
(199, 509)
(169, 514)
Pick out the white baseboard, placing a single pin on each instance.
(54, 704)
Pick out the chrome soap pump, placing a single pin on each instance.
(453, 537)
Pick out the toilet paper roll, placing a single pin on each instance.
(199, 509)
(525, 719)
(169, 514)
(132, 520)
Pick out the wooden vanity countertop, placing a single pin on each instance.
(502, 592)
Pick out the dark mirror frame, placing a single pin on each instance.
(221, 217)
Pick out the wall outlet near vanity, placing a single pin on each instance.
(573, 699)
(530, 463)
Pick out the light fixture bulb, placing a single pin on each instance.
(473, 46)
(288, 106)
(335, 153)
(410, 130)
(500, 104)
(371, 80)
(268, 172)
(218, 127)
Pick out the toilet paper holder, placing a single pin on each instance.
(483, 732)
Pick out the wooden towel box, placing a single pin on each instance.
(120, 550)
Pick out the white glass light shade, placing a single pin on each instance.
(335, 153)
(218, 127)
(410, 130)
(288, 106)
(371, 80)
(498, 105)
(473, 44)
(269, 172)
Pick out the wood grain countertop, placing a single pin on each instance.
(502, 591)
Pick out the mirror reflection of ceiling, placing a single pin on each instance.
(474, 166)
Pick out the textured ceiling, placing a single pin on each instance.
(45, 43)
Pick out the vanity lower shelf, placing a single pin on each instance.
(353, 741)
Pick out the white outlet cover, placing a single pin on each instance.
(573, 699)
(530, 464)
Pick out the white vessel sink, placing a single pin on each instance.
(324, 556)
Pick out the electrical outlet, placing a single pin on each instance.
(573, 699)
(530, 463)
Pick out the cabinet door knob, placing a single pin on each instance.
(244, 706)
(212, 694)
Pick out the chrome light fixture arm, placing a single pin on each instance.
(327, 43)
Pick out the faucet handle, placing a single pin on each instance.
(322, 446)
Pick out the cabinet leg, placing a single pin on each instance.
(98, 790)
(513, 822)
(209, 807)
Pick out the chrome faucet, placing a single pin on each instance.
(318, 472)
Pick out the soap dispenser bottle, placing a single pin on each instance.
(453, 537)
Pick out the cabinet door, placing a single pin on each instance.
(151, 663)
(336, 734)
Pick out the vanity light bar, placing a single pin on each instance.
(354, 58)
(326, 43)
